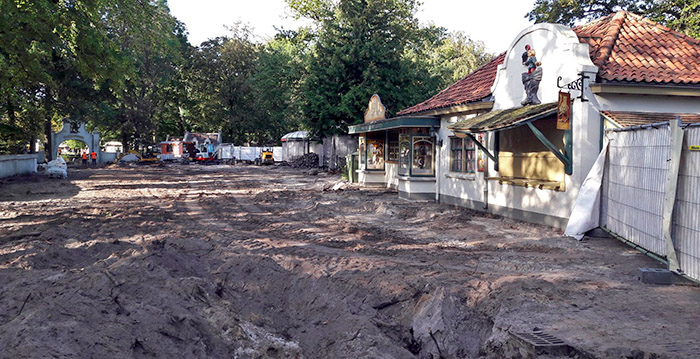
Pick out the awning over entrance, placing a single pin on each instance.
(503, 119)
(395, 122)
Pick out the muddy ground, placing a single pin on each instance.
(260, 262)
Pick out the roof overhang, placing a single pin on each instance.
(503, 119)
(396, 122)
(644, 89)
(458, 109)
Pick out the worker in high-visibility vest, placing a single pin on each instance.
(84, 157)
(93, 155)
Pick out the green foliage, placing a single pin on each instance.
(75, 144)
(680, 15)
(376, 46)
(125, 68)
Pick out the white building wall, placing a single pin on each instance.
(463, 189)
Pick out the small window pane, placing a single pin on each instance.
(393, 151)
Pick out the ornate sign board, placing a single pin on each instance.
(375, 109)
(564, 111)
(480, 162)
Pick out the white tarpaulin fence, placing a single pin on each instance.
(636, 181)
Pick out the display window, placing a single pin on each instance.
(375, 154)
(422, 159)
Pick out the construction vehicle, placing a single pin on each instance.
(265, 158)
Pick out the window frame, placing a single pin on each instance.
(467, 155)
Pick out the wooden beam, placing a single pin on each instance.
(562, 157)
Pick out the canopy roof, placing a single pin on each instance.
(395, 122)
(296, 136)
(502, 119)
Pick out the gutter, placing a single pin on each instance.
(638, 89)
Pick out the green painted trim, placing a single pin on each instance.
(563, 158)
(394, 123)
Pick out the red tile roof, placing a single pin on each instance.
(474, 87)
(627, 47)
(629, 119)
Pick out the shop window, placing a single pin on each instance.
(462, 155)
(375, 154)
(416, 155)
(524, 160)
(422, 161)
(372, 151)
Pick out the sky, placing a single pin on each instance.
(495, 22)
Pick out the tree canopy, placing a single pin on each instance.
(125, 67)
(680, 15)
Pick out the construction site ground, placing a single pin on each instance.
(191, 261)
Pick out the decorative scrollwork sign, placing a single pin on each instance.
(576, 85)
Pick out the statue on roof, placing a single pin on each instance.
(531, 79)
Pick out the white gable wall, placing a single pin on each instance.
(557, 47)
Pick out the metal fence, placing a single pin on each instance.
(634, 185)
(686, 218)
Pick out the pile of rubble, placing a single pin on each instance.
(309, 160)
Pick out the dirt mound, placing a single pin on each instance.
(309, 160)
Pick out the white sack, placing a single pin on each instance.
(57, 168)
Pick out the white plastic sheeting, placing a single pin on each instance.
(586, 214)
(130, 158)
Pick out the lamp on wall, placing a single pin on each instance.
(434, 133)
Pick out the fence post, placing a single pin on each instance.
(674, 162)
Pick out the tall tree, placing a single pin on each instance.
(221, 77)
(53, 57)
(277, 81)
(359, 52)
(680, 15)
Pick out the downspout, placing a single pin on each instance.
(486, 180)
(438, 152)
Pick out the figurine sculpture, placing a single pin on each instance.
(531, 79)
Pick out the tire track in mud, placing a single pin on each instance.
(277, 241)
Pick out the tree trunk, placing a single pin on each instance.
(48, 145)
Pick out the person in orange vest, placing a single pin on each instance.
(93, 155)
(84, 157)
